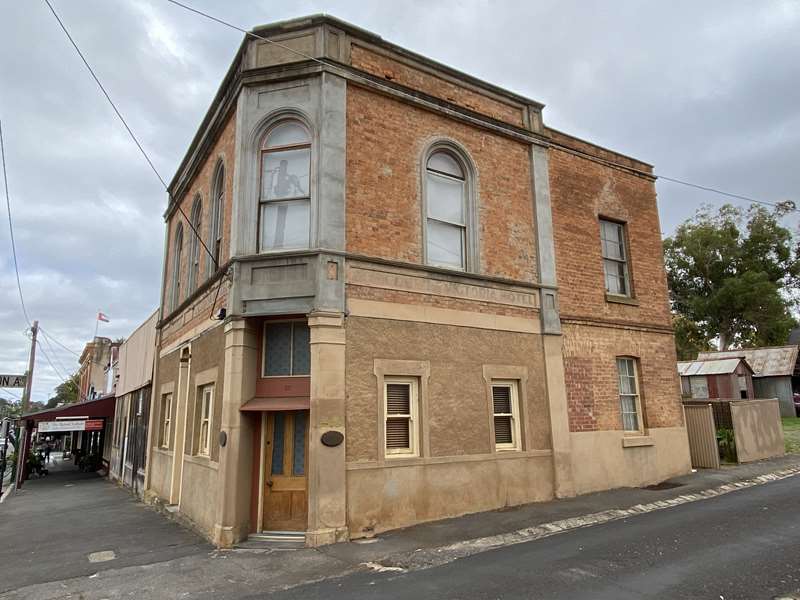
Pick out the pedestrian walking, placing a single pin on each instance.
(48, 447)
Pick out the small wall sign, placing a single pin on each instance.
(332, 438)
(223, 439)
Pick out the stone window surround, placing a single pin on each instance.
(472, 236)
(412, 451)
(262, 367)
(386, 369)
(166, 388)
(630, 437)
(175, 277)
(494, 373)
(630, 297)
(201, 379)
(196, 249)
(255, 146)
(216, 219)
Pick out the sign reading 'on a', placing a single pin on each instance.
(12, 381)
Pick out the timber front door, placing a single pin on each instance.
(285, 482)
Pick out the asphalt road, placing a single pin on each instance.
(55, 529)
(744, 545)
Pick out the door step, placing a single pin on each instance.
(285, 540)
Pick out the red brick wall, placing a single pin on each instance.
(197, 315)
(393, 70)
(202, 183)
(590, 370)
(385, 142)
(582, 191)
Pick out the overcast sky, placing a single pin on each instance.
(705, 91)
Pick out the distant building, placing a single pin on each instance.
(776, 372)
(129, 439)
(96, 374)
(720, 378)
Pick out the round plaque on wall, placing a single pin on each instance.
(332, 438)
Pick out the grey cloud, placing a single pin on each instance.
(704, 91)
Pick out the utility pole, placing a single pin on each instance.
(5, 431)
(23, 438)
(26, 395)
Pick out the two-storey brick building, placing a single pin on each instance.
(435, 304)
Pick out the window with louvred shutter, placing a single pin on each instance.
(506, 415)
(400, 402)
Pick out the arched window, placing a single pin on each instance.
(285, 200)
(194, 245)
(217, 217)
(177, 251)
(447, 218)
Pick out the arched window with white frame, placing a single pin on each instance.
(177, 251)
(196, 219)
(217, 217)
(448, 210)
(285, 194)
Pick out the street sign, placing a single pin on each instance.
(70, 425)
(12, 381)
(56, 426)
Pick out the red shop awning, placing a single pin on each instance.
(93, 409)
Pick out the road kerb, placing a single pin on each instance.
(432, 557)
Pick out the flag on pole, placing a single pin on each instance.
(102, 317)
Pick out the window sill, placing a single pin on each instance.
(201, 460)
(637, 441)
(618, 299)
(399, 456)
(506, 449)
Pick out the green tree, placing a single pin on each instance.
(733, 277)
(9, 409)
(689, 339)
(65, 393)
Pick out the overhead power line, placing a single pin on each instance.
(13, 395)
(52, 339)
(13, 240)
(394, 90)
(128, 129)
(723, 193)
(54, 353)
(50, 362)
(11, 227)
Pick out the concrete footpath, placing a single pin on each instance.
(75, 536)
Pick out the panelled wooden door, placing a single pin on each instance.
(286, 465)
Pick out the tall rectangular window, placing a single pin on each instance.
(615, 261)
(205, 408)
(401, 400)
(446, 200)
(285, 198)
(166, 420)
(629, 398)
(287, 349)
(505, 408)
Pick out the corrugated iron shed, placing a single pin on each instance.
(775, 361)
(721, 366)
